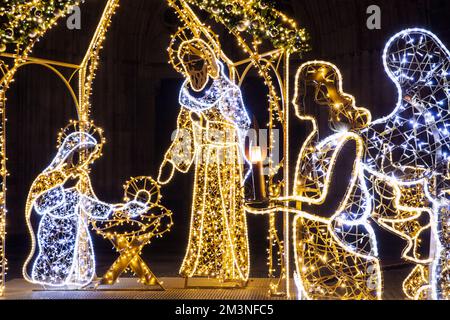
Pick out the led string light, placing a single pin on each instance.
(336, 257)
(54, 257)
(268, 66)
(408, 151)
(90, 63)
(131, 233)
(210, 134)
(259, 19)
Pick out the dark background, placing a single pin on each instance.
(135, 101)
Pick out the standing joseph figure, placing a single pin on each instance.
(212, 125)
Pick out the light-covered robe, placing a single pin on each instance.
(210, 137)
(65, 253)
(336, 257)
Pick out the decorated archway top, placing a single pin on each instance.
(258, 19)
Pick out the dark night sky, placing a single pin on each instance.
(135, 101)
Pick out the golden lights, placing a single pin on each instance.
(210, 133)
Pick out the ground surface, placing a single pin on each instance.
(128, 288)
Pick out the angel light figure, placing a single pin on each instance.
(407, 158)
(212, 126)
(64, 202)
(336, 253)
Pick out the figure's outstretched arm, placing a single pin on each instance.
(99, 210)
(132, 209)
(180, 155)
(96, 209)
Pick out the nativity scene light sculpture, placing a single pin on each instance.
(65, 205)
(407, 158)
(267, 38)
(336, 254)
(63, 198)
(65, 201)
(130, 234)
(211, 129)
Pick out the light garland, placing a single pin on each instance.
(258, 18)
(273, 67)
(26, 21)
(130, 234)
(401, 162)
(408, 151)
(210, 134)
(125, 225)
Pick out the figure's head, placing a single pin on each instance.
(199, 62)
(79, 144)
(319, 83)
(77, 150)
(414, 56)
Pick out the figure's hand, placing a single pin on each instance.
(166, 172)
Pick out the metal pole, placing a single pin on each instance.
(286, 220)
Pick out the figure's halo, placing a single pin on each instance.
(142, 189)
(183, 35)
(87, 127)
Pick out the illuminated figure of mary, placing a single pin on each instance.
(63, 202)
(212, 125)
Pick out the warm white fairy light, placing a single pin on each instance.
(336, 256)
(210, 135)
(349, 236)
